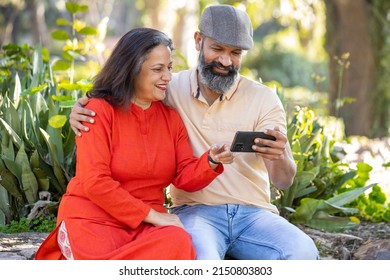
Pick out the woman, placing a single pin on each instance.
(113, 207)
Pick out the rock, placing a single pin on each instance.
(20, 246)
(377, 250)
(368, 241)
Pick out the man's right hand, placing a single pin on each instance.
(80, 114)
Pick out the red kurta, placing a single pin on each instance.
(123, 164)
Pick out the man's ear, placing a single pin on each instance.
(198, 40)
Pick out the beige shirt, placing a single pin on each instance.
(247, 106)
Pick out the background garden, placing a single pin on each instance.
(329, 62)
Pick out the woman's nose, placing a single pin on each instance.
(167, 75)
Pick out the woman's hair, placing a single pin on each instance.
(116, 81)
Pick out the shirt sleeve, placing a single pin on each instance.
(93, 170)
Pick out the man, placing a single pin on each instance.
(233, 217)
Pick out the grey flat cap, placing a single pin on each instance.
(227, 25)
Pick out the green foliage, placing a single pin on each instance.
(40, 224)
(79, 40)
(326, 194)
(373, 207)
(290, 69)
(23, 225)
(37, 152)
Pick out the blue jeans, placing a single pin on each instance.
(243, 232)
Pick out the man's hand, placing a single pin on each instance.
(275, 149)
(80, 114)
(278, 158)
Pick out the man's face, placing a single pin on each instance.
(218, 65)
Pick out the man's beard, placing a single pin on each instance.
(217, 82)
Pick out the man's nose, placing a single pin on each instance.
(225, 60)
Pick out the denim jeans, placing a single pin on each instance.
(243, 232)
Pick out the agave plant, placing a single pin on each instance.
(37, 145)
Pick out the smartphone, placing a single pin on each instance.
(244, 140)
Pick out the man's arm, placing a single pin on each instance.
(278, 158)
(80, 114)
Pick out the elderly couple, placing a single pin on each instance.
(149, 129)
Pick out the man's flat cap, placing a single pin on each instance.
(227, 25)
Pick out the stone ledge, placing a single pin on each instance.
(20, 246)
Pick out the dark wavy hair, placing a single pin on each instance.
(116, 80)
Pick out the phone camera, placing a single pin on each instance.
(239, 147)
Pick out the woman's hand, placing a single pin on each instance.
(162, 219)
(220, 154)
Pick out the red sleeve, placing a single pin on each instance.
(192, 173)
(94, 173)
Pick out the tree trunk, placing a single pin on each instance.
(38, 24)
(348, 30)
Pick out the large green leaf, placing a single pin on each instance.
(29, 184)
(11, 115)
(32, 124)
(324, 221)
(60, 35)
(318, 214)
(10, 183)
(304, 178)
(38, 69)
(17, 90)
(61, 65)
(54, 158)
(55, 133)
(14, 136)
(57, 121)
(73, 7)
(348, 196)
(63, 22)
(88, 30)
(8, 157)
(2, 218)
(4, 202)
(28, 180)
(307, 141)
(306, 191)
(42, 177)
(21, 157)
(337, 209)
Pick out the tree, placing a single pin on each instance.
(350, 30)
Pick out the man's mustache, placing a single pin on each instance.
(229, 68)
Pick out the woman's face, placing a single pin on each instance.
(153, 79)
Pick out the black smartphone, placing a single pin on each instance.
(244, 140)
